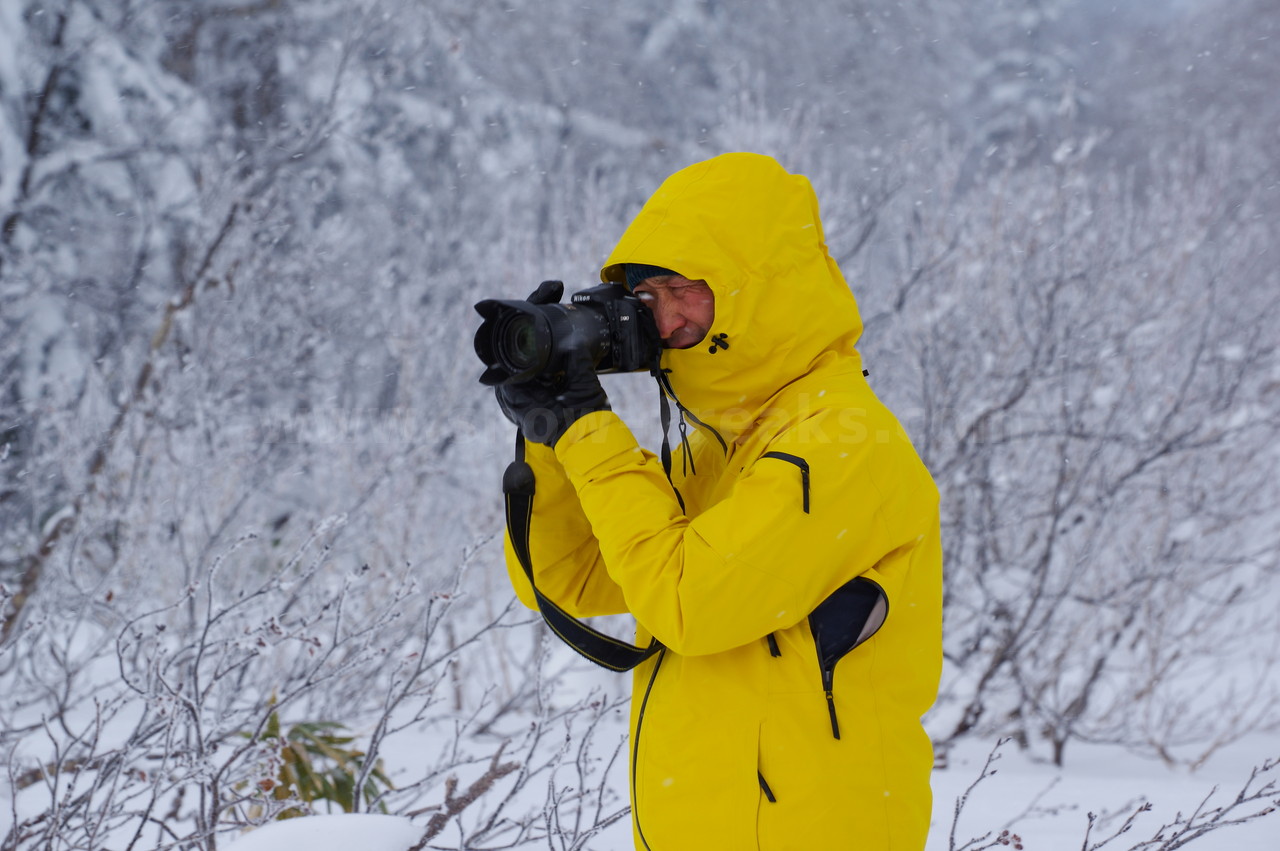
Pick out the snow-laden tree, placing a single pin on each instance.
(1088, 369)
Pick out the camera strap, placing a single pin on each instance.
(518, 486)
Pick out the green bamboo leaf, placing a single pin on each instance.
(273, 727)
(319, 763)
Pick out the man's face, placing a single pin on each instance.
(683, 309)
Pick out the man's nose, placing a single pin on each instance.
(668, 319)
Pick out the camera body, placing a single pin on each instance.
(522, 341)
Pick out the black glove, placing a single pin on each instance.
(548, 292)
(543, 409)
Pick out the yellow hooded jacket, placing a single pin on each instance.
(798, 486)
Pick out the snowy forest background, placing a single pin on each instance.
(250, 553)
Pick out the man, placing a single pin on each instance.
(791, 566)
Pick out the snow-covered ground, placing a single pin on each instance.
(1053, 804)
(1047, 808)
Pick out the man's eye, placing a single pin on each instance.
(690, 287)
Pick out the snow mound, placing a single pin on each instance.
(344, 832)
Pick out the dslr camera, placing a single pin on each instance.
(522, 341)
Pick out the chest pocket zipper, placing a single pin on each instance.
(853, 613)
(800, 464)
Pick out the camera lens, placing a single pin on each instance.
(523, 344)
(520, 346)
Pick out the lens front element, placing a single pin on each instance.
(518, 342)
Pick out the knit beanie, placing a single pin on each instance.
(637, 272)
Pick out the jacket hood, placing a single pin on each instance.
(751, 230)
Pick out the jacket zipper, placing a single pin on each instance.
(858, 604)
(764, 787)
(635, 747)
(828, 686)
(803, 466)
